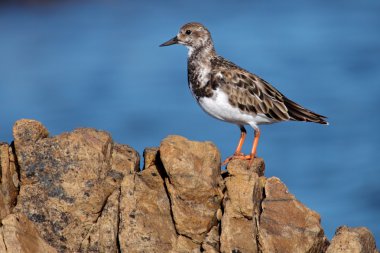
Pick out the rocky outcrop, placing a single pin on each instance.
(66, 182)
(146, 223)
(243, 196)
(19, 234)
(194, 185)
(285, 223)
(81, 192)
(9, 181)
(355, 240)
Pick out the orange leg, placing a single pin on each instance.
(238, 154)
(243, 134)
(254, 146)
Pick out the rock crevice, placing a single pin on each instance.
(82, 192)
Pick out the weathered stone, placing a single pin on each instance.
(211, 243)
(18, 234)
(66, 180)
(353, 240)
(194, 184)
(125, 160)
(9, 181)
(102, 236)
(28, 131)
(185, 245)
(81, 192)
(146, 223)
(241, 207)
(286, 225)
(243, 167)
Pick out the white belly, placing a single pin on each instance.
(219, 107)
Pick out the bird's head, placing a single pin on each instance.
(192, 35)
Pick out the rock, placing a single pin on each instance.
(81, 192)
(18, 234)
(186, 245)
(146, 224)
(66, 180)
(9, 181)
(242, 167)
(194, 185)
(125, 160)
(27, 131)
(286, 225)
(353, 240)
(103, 235)
(242, 207)
(211, 242)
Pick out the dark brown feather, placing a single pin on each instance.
(298, 113)
(253, 95)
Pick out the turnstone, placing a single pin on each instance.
(230, 93)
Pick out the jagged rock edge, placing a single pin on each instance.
(258, 219)
(100, 214)
(118, 245)
(5, 245)
(17, 166)
(161, 169)
(164, 176)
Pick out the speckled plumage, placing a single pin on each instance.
(230, 93)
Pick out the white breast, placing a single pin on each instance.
(219, 107)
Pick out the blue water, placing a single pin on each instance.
(98, 64)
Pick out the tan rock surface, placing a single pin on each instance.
(103, 235)
(81, 192)
(352, 240)
(9, 181)
(242, 167)
(185, 245)
(66, 180)
(242, 202)
(211, 243)
(194, 184)
(286, 225)
(146, 223)
(18, 234)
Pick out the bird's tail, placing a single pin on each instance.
(298, 113)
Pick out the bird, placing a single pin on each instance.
(232, 94)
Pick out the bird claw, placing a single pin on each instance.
(240, 156)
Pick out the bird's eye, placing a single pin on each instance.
(188, 32)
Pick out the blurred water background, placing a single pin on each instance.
(98, 64)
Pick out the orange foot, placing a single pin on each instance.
(238, 156)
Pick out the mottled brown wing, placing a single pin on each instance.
(250, 93)
(254, 95)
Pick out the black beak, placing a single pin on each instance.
(170, 42)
